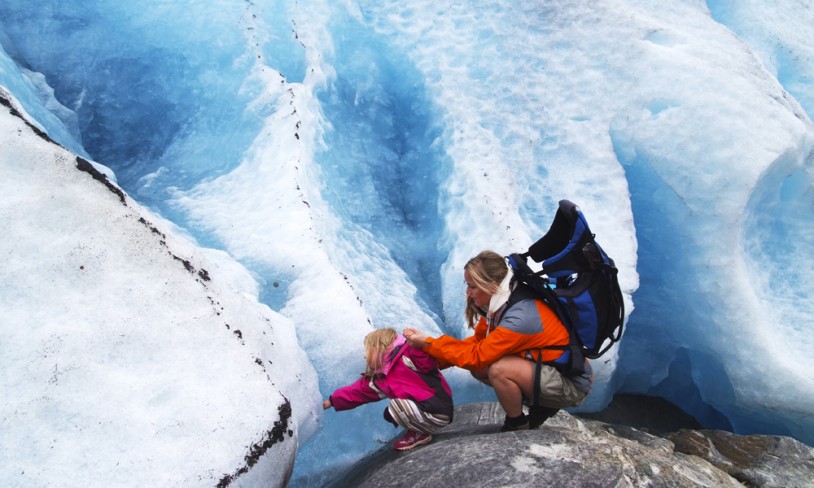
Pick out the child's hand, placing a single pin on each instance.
(326, 404)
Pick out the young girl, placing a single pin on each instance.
(420, 398)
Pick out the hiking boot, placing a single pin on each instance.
(410, 440)
(538, 415)
(516, 423)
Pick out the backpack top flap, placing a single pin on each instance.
(560, 249)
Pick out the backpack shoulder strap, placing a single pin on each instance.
(521, 292)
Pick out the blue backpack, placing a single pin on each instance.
(578, 280)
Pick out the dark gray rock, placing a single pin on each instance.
(571, 452)
(653, 415)
(755, 460)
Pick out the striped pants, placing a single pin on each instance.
(409, 415)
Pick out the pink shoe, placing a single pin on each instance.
(410, 440)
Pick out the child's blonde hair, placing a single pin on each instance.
(376, 344)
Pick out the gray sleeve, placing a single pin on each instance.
(523, 318)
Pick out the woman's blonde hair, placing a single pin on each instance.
(376, 344)
(487, 270)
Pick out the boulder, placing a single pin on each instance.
(755, 460)
(568, 451)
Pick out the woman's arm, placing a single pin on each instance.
(472, 355)
(416, 338)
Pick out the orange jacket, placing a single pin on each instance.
(525, 328)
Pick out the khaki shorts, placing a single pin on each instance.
(556, 390)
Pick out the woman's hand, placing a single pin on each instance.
(327, 404)
(416, 338)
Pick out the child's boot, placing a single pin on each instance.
(411, 439)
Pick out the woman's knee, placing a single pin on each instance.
(497, 370)
(509, 367)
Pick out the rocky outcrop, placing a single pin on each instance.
(755, 460)
(568, 451)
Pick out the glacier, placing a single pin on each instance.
(352, 155)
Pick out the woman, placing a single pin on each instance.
(507, 342)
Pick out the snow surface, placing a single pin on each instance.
(340, 162)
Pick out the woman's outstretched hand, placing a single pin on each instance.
(415, 337)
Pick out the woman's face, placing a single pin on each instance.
(480, 297)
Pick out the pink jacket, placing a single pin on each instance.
(408, 373)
